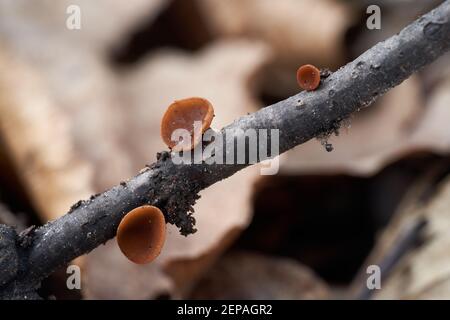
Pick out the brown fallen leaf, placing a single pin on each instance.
(181, 268)
(37, 28)
(75, 71)
(245, 275)
(432, 131)
(308, 29)
(298, 32)
(110, 275)
(85, 88)
(44, 155)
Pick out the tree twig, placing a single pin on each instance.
(174, 188)
(407, 240)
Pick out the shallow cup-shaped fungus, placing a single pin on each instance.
(182, 114)
(141, 234)
(308, 77)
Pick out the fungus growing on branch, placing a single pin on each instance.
(308, 77)
(141, 234)
(183, 114)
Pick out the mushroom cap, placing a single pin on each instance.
(181, 114)
(141, 234)
(308, 77)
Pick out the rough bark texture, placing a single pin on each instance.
(34, 254)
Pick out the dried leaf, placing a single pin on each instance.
(308, 29)
(245, 275)
(44, 155)
(38, 27)
(298, 32)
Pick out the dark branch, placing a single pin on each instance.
(174, 188)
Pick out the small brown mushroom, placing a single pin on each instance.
(308, 77)
(141, 234)
(182, 114)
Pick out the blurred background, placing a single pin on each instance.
(80, 111)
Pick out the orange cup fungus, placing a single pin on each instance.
(182, 114)
(141, 234)
(308, 77)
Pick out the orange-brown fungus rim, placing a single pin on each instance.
(192, 101)
(142, 243)
(308, 77)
